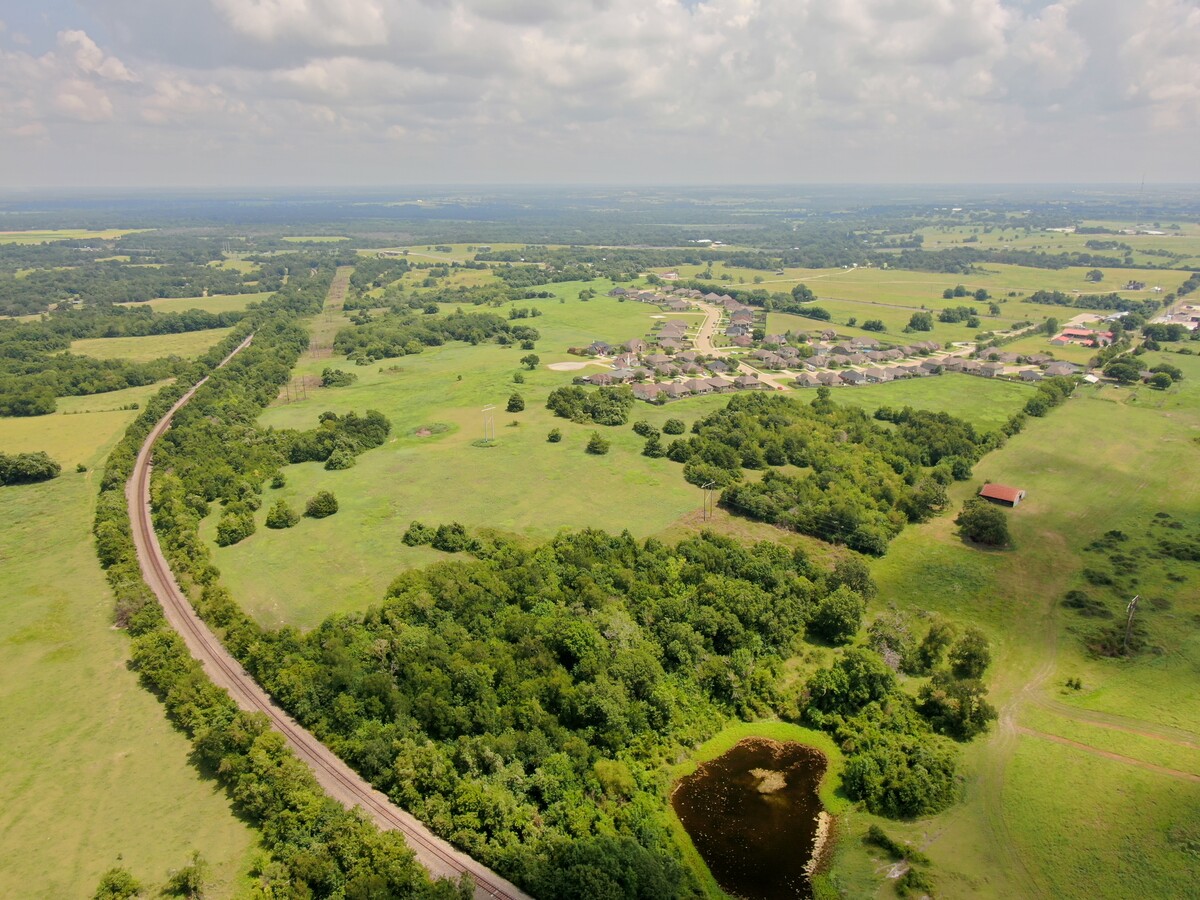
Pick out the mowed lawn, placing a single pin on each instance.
(93, 772)
(1040, 818)
(523, 485)
(155, 346)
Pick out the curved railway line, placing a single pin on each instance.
(338, 779)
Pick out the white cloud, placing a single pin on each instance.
(636, 89)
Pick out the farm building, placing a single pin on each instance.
(1002, 494)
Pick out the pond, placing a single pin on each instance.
(754, 815)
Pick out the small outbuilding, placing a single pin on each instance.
(1002, 494)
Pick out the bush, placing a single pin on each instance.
(281, 515)
(337, 378)
(644, 429)
(235, 525)
(278, 480)
(418, 534)
(117, 884)
(654, 447)
(320, 505)
(597, 445)
(674, 426)
(452, 538)
(554, 436)
(516, 403)
(971, 655)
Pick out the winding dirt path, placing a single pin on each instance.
(338, 779)
(1106, 754)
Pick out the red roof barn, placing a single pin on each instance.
(1009, 496)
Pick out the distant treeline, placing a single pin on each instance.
(1145, 308)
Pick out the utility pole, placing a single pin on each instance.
(489, 423)
(1131, 609)
(709, 509)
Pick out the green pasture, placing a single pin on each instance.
(94, 775)
(315, 238)
(218, 303)
(987, 403)
(144, 349)
(65, 234)
(1109, 459)
(71, 434)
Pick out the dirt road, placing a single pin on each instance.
(338, 779)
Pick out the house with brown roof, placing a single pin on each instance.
(807, 379)
(698, 386)
(853, 376)
(829, 379)
(647, 391)
(748, 382)
(1002, 494)
(991, 369)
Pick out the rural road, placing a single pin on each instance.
(339, 780)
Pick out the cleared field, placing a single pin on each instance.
(986, 403)
(145, 349)
(316, 239)
(218, 303)
(65, 234)
(71, 434)
(1109, 459)
(93, 773)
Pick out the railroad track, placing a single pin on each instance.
(341, 782)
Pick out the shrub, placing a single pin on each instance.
(644, 429)
(673, 426)
(281, 515)
(554, 436)
(516, 403)
(235, 525)
(278, 480)
(320, 505)
(27, 468)
(337, 378)
(418, 534)
(452, 538)
(597, 445)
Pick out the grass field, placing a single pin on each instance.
(218, 303)
(1091, 466)
(986, 403)
(71, 434)
(64, 234)
(93, 773)
(145, 349)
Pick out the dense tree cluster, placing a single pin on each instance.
(27, 468)
(400, 333)
(522, 703)
(863, 481)
(608, 405)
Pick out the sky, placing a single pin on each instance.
(198, 93)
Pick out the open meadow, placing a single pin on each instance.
(218, 303)
(94, 774)
(65, 234)
(155, 346)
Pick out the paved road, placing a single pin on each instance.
(339, 780)
(704, 344)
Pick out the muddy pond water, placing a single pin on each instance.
(753, 815)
